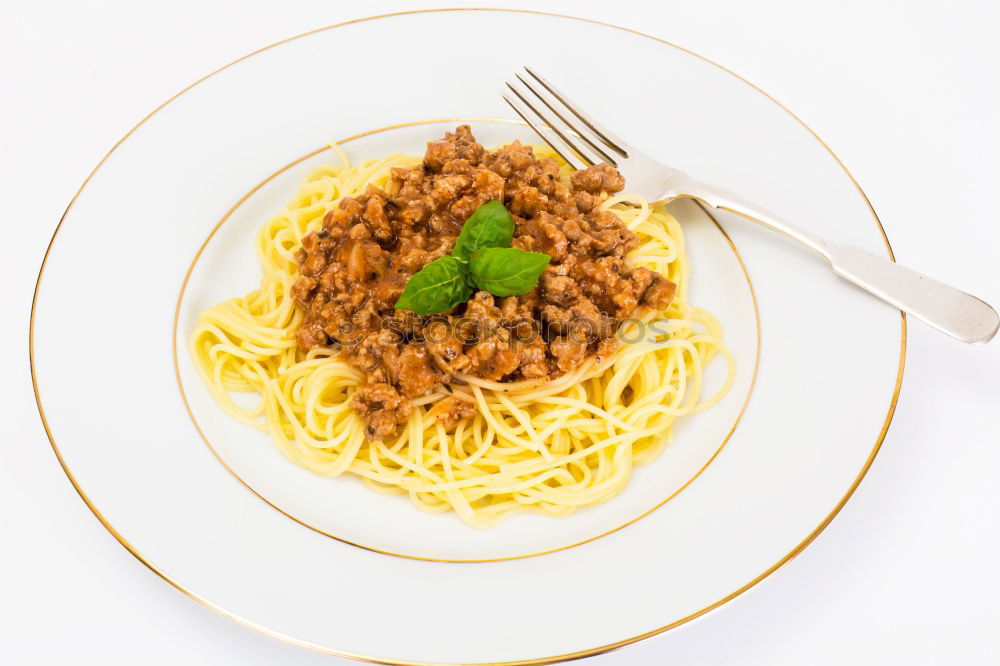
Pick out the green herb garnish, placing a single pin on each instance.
(507, 271)
(482, 257)
(490, 226)
(437, 287)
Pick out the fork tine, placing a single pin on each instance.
(612, 140)
(593, 141)
(564, 131)
(537, 123)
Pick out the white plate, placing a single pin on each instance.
(747, 488)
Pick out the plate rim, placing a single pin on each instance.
(791, 554)
(175, 353)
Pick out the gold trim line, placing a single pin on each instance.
(208, 443)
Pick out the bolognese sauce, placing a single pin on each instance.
(354, 268)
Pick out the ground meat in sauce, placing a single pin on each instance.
(354, 268)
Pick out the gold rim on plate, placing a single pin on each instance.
(524, 662)
(215, 452)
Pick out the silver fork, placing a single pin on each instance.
(582, 142)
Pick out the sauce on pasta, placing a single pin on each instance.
(485, 440)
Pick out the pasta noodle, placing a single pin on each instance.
(551, 445)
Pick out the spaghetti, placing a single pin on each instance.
(545, 445)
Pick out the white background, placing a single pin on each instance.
(906, 93)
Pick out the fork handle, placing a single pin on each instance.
(944, 307)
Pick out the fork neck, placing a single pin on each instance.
(724, 200)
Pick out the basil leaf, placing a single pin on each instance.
(437, 287)
(490, 226)
(507, 271)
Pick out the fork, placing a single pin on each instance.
(583, 142)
